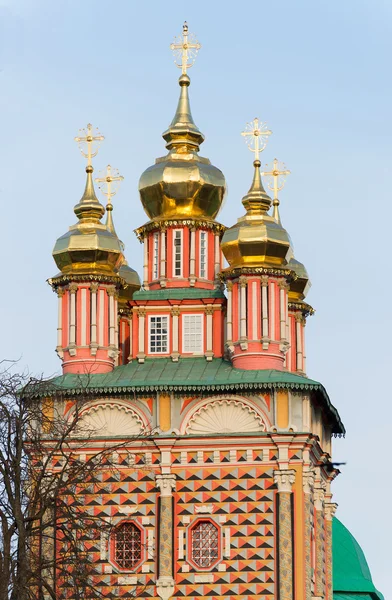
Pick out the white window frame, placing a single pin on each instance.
(181, 245)
(162, 316)
(155, 255)
(205, 276)
(194, 352)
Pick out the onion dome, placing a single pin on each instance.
(89, 247)
(182, 184)
(301, 285)
(257, 239)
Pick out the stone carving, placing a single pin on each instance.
(111, 419)
(225, 416)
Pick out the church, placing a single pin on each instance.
(204, 358)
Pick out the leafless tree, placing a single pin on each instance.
(45, 531)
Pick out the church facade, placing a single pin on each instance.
(203, 360)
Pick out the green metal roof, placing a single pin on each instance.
(351, 574)
(191, 375)
(177, 294)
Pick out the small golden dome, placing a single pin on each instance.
(182, 184)
(132, 282)
(300, 287)
(89, 246)
(256, 240)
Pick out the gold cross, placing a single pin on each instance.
(88, 138)
(256, 136)
(276, 177)
(185, 49)
(109, 183)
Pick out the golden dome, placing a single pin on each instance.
(132, 280)
(300, 287)
(257, 239)
(89, 246)
(182, 184)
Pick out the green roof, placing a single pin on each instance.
(351, 574)
(177, 294)
(191, 374)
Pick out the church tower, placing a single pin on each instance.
(222, 444)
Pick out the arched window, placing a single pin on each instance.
(127, 540)
(205, 544)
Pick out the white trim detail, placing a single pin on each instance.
(155, 256)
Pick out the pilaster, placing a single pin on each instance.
(165, 583)
(284, 479)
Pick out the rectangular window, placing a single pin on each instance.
(159, 335)
(177, 253)
(203, 254)
(192, 333)
(155, 255)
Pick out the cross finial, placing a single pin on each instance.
(89, 139)
(185, 49)
(276, 177)
(256, 136)
(109, 182)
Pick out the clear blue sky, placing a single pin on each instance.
(319, 74)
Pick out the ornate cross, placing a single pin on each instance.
(109, 183)
(276, 177)
(256, 136)
(185, 49)
(89, 138)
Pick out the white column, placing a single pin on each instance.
(209, 312)
(112, 327)
(298, 327)
(101, 313)
(60, 294)
(242, 285)
(217, 253)
(255, 310)
(73, 288)
(175, 315)
(83, 317)
(229, 321)
(289, 352)
(142, 316)
(303, 346)
(306, 413)
(93, 316)
(123, 343)
(130, 322)
(282, 299)
(264, 311)
(192, 261)
(145, 262)
(163, 256)
(272, 311)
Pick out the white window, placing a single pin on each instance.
(203, 254)
(177, 253)
(158, 335)
(155, 255)
(192, 333)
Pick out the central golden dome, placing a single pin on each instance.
(182, 184)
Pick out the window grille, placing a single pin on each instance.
(192, 334)
(177, 253)
(203, 254)
(127, 546)
(205, 544)
(155, 256)
(159, 335)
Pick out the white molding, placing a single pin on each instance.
(155, 256)
(205, 276)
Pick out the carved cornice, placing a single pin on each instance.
(330, 510)
(308, 481)
(302, 307)
(142, 231)
(272, 272)
(61, 280)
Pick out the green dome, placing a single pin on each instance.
(351, 574)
